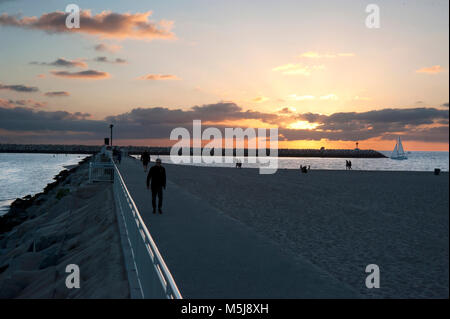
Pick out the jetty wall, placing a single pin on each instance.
(72, 222)
(137, 150)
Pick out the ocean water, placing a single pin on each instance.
(28, 174)
(417, 161)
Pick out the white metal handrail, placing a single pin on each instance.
(145, 253)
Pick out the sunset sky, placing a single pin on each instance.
(311, 68)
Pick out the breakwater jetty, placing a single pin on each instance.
(72, 222)
(136, 150)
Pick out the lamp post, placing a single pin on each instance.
(111, 127)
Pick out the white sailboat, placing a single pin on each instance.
(399, 153)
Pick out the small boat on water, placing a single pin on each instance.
(399, 153)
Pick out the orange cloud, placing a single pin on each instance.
(6, 103)
(260, 99)
(159, 77)
(89, 74)
(104, 47)
(106, 24)
(431, 70)
(297, 69)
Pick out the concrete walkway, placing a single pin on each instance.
(211, 255)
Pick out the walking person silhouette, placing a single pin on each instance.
(145, 159)
(157, 177)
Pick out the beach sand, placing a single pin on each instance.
(78, 228)
(342, 221)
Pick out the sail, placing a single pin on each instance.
(395, 151)
(400, 147)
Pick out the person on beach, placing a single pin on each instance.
(145, 158)
(348, 165)
(157, 176)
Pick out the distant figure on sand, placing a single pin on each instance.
(348, 164)
(304, 169)
(145, 159)
(238, 164)
(157, 176)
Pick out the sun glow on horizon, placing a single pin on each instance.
(302, 125)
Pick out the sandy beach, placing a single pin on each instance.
(341, 221)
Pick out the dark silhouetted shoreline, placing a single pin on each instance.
(137, 150)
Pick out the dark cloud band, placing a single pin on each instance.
(19, 88)
(62, 62)
(57, 94)
(421, 124)
(88, 74)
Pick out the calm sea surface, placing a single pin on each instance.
(417, 161)
(28, 174)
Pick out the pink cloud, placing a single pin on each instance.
(431, 70)
(23, 103)
(89, 74)
(159, 77)
(104, 47)
(106, 24)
